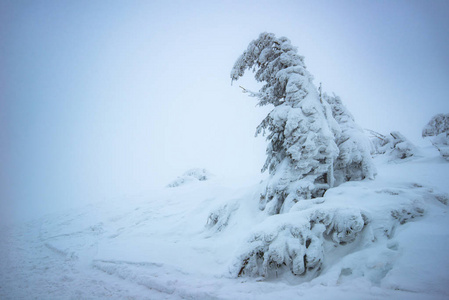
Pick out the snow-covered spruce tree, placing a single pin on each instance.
(437, 130)
(396, 146)
(303, 159)
(301, 128)
(354, 161)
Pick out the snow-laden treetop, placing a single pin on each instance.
(278, 65)
(301, 125)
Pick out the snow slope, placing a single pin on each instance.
(183, 243)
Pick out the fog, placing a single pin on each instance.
(103, 99)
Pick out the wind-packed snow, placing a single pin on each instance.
(386, 238)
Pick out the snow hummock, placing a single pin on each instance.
(386, 238)
(192, 175)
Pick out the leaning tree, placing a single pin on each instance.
(301, 129)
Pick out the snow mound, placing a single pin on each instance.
(192, 175)
(396, 146)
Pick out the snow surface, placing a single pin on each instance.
(182, 243)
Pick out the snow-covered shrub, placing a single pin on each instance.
(219, 218)
(396, 146)
(301, 129)
(437, 125)
(354, 161)
(437, 131)
(441, 197)
(378, 142)
(402, 147)
(294, 242)
(441, 142)
(405, 214)
(191, 175)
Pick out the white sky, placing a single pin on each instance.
(101, 99)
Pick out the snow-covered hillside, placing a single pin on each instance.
(186, 242)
